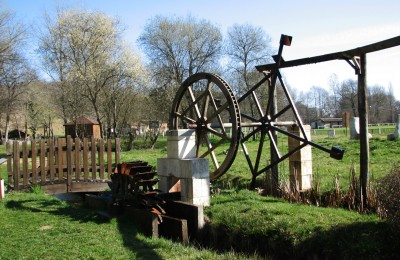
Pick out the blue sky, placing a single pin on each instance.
(317, 27)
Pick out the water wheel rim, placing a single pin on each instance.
(207, 117)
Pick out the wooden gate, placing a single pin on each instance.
(62, 164)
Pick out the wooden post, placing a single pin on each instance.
(43, 170)
(25, 162)
(85, 159)
(69, 163)
(364, 142)
(78, 159)
(274, 157)
(16, 170)
(50, 159)
(101, 158)
(34, 161)
(10, 163)
(93, 150)
(109, 158)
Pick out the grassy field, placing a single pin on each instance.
(34, 225)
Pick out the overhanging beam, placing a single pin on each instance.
(343, 55)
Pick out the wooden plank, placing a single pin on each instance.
(117, 151)
(88, 186)
(25, 153)
(78, 159)
(9, 149)
(16, 164)
(34, 161)
(55, 188)
(343, 55)
(109, 158)
(93, 157)
(101, 158)
(69, 163)
(85, 159)
(146, 222)
(42, 161)
(174, 228)
(50, 159)
(60, 144)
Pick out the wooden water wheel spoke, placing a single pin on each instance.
(188, 119)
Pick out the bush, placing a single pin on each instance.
(388, 195)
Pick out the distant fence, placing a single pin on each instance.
(62, 164)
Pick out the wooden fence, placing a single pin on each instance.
(63, 164)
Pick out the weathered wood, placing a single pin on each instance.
(78, 160)
(117, 150)
(343, 55)
(364, 141)
(25, 163)
(34, 161)
(109, 158)
(16, 165)
(69, 163)
(85, 159)
(147, 222)
(83, 186)
(42, 161)
(60, 142)
(101, 158)
(50, 159)
(10, 162)
(174, 228)
(93, 158)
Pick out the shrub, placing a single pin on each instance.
(388, 196)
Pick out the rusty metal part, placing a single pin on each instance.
(206, 103)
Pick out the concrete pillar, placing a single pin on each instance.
(396, 133)
(300, 163)
(354, 128)
(1, 189)
(182, 171)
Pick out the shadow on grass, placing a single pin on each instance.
(127, 229)
(354, 241)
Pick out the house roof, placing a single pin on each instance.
(83, 120)
(331, 119)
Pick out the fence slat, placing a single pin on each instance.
(42, 166)
(34, 162)
(60, 163)
(85, 159)
(10, 163)
(117, 150)
(109, 158)
(78, 160)
(101, 158)
(25, 162)
(69, 163)
(50, 159)
(93, 158)
(16, 164)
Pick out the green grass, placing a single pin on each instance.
(34, 225)
(37, 226)
(278, 229)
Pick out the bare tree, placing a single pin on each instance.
(88, 58)
(177, 48)
(15, 76)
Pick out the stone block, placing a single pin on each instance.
(193, 188)
(181, 144)
(168, 167)
(194, 168)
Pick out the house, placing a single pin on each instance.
(83, 126)
(328, 122)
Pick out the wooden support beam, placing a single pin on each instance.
(364, 142)
(343, 55)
